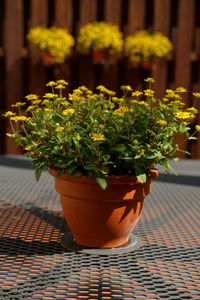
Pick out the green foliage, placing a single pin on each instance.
(96, 134)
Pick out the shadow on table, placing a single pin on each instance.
(182, 179)
(15, 162)
(16, 246)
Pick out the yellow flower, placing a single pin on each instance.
(149, 93)
(184, 115)
(49, 95)
(98, 137)
(161, 122)
(31, 107)
(51, 83)
(62, 82)
(121, 110)
(99, 36)
(149, 80)
(35, 102)
(9, 114)
(60, 86)
(59, 129)
(18, 104)
(180, 89)
(126, 88)
(196, 95)
(197, 127)
(193, 110)
(143, 46)
(28, 147)
(46, 101)
(117, 99)
(103, 89)
(48, 109)
(177, 102)
(31, 97)
(68, 111)
(76, 97)
(18, 118)
(143, 103)
(171, 94)
(136, 93)
(64, 103)
(101, 126)
(56, 41)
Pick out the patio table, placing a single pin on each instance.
(34, 265)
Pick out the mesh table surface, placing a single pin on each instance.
(34, 265)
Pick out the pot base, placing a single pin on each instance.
(68, 243)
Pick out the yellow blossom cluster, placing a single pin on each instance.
(184, 115)
(99, 36)
(55, 41)
(143, 46)
(98, 137)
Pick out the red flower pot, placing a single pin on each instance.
(148, 64)
(47, 59)
(102, 218)
(99, 57)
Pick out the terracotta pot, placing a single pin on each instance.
(149, 64)
(47, 59)
(99, 56)
(102, 218)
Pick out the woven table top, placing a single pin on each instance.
(34, 265)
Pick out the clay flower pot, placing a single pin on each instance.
(102, 218)
(99, 57)
(149, 64)
(47, 59)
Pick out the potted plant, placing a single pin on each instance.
(102, 150)
(54, 43)
(100, 39)
(144, 48)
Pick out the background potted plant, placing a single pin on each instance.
(100, 39)
(54, 43)
(102, 150)
(144, 48)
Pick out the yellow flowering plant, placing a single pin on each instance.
(98, 134)
(99, 36)
(57, 42)
(144, 46)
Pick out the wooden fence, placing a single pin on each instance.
(22, 71)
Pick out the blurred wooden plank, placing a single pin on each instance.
(183, 49)
(184, 43)
(13, 43)
(63, 18)
(64, 14)
(88, 13)
(161, 24)
(136, 21)
(39, 11)
(112, 11)
(136, 16)
(196, 88)
(110, 76)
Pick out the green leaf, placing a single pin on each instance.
(90, 167)
(101, 182)
(38, 172)
(118, 148)
(142, 178)
(140, 174)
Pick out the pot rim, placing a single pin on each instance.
(111, 179)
